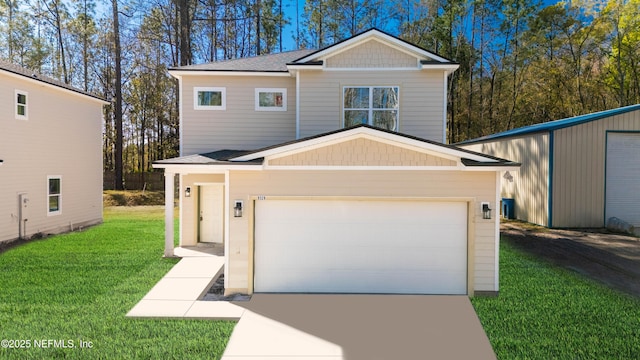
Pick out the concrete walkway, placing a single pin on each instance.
(318, 326)
(178, 293)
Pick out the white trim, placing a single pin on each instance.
(365, 167)
(227, 224)
(371, 69)
(357, 132)
(223, 98)
(294, 67)
(59, 211)
(385, 168)
(205, 169)
(212, 72)
(180, 115)
(298, 106)
(17, 93)
(270, 90)
(449, 67)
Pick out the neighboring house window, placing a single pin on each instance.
(210, 98)
(271, 99)
(54, 194)
(21, 105)
(376, 105)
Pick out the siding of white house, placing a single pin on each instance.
(421, 111)
(435, 184)
(61, 137)
(240, 126)
(529, 186)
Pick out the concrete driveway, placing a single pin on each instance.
(353, 327)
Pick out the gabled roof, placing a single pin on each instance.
(34, 76)
(220, 157)
(369, 34)
(263, 63)
(283, 63)
(468, 158)
(554, 125)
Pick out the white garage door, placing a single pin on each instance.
(347, 246)
(623, 177)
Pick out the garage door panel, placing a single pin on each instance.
(321, 281)
(623, 177)
(415, 247)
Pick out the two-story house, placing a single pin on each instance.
(51, 151)
(325, 171)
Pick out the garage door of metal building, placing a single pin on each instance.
(623, 177)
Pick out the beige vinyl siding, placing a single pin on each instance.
(372, 54)
(240, 126)
(530, 185)
(579, 170)
(362, 152)
(434, 184)
(62, 137)
(421, 99)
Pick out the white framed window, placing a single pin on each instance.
(271, 99)
(373, 105)
(54, 195)
(22, 111)
(210, 98)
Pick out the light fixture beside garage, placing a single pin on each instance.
(237, 209)
(187, 191)
(486, 210)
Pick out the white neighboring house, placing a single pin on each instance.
(50, 146)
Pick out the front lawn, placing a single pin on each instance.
(73, 290)
(546, 312)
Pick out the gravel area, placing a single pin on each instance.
(610, 258)
(216, 293)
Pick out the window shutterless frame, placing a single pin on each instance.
(271, 99)
(210, 98)
(54, 195)
(373, 105)
(21, 105)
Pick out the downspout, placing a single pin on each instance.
(444, 113)
(297, 104)
(550, 182)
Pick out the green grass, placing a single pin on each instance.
(79, 286)
(546, 312)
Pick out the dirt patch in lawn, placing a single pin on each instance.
(609, 258)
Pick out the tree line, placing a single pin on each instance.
(521, 63)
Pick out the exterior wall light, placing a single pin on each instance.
(486, 210)
(237, 209)
(187, 191)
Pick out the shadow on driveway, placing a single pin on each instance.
(357, 327)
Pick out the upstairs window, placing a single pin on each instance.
(21, 105)
(271, 99)
(375, 105)
(210, 98)
(54, 194)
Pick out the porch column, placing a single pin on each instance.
(169, 188)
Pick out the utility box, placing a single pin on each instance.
(508, 208)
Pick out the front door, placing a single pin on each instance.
(211, 228)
